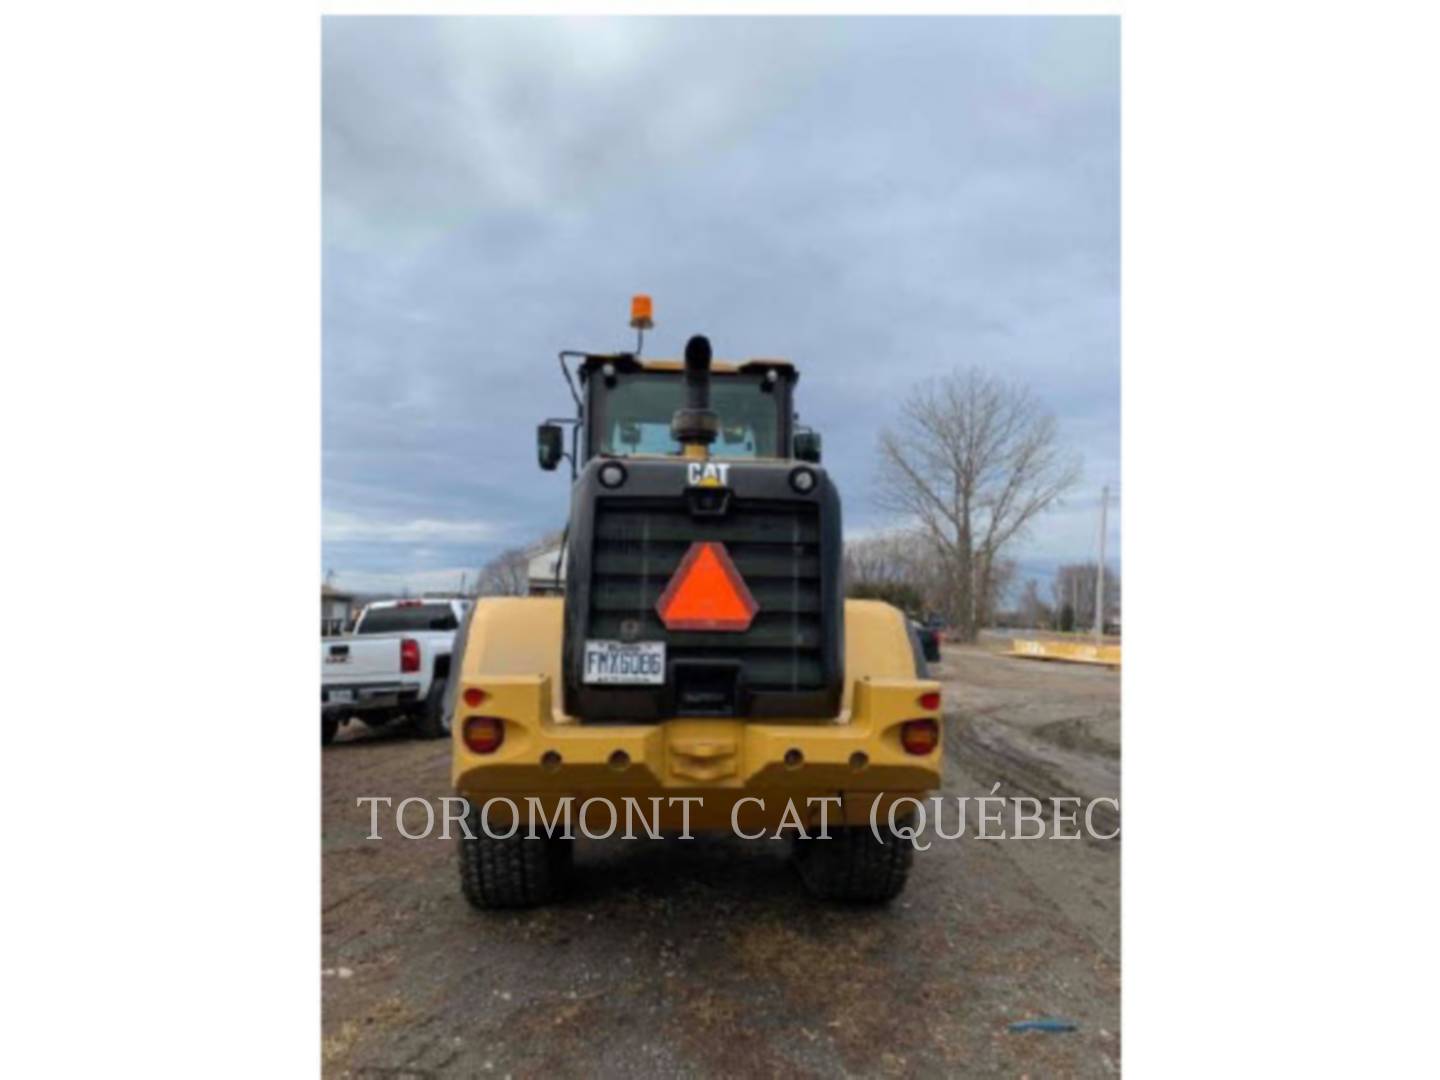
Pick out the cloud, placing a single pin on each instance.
(340, 527)
(877, 199)
(377, 583)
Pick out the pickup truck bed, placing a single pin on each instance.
(395, 665)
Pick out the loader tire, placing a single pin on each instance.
(431, 721)
(515, 872)
(853, 867)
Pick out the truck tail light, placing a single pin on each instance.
(484, 734)
(475, 697)
(409, 654)
(930, 700)
(919, 736)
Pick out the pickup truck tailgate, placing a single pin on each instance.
(356, 659)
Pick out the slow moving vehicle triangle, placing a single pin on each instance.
(707, 592)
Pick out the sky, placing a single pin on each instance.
(879, 200)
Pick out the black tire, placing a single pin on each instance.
(853, 867)
(432, 723)
(516, 872)
(329, 725)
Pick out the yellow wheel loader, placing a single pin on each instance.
(702, 669)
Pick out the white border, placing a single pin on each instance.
(161, 340)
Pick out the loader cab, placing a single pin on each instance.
(629, 405)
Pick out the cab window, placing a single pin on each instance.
(633, 416)
(407, 617)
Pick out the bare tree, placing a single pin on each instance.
(997, 578)
(892, 567)
(973, 460)
(885, 558)
(507, 574)
(1074, 586)
(1034, 612)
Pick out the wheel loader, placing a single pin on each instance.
(702, 665)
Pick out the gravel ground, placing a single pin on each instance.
(705, 957)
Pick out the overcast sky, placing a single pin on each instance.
(877, 200)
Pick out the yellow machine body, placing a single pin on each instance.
(745, 772)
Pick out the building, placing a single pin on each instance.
(546, 571)
(335, 610)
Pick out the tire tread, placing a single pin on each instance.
(852, 867)
(514, 872)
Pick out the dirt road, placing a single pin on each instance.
(705, 958)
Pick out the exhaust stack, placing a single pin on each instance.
(695, 426)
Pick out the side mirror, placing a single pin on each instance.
(549, 445)
(807, 446)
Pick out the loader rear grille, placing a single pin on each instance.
(775, 546)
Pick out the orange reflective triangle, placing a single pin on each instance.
(707, 592)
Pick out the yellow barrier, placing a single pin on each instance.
(1071, 652)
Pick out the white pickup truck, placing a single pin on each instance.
(394, 664)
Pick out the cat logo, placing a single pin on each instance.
(708, 474)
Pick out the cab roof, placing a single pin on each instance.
(724, 366)
(628, 362)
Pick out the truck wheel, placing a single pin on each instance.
(329, 725)
(516, 872)
(431, 721)
(852, 866)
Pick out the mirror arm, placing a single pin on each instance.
(575, 446)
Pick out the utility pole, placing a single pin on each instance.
(1100, 571)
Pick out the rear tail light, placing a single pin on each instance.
(930, 700)
(475, 697)
(409, 654)
(919, 736)
(484, 734)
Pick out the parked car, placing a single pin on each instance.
(394, 665)
(929, 639)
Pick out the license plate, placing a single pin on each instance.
(342, 697)
(625, 662)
